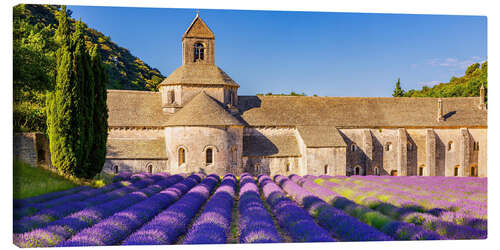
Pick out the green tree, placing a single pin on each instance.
(398, 92)
(70, 107)
(100, 119)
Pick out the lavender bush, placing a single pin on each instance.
(213, 224)
(169, 224)
(297, 222)
(62, 229)
(256, 224)
(117, 227)
(336, 221)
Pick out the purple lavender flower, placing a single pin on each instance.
(117, 227)
(256, 223)
(213, 224)
(169, 224)
(59, 230)
(291, 217)
(336, 221)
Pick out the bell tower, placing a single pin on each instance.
(198, 43)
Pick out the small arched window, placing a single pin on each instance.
(288, 166)
(421, 171)
(115, 168)
(473, 171)
(450, 145)
(256, 168)
(326, 169)
(476, 146)
(209, 156)
(354, 147)
(357, 170)
(388, 146)
(233, 154)
(377, 171)
(455, 170)
(150, 168)
(394, 173)
(171, 96)
(182, 156)
(199, 52)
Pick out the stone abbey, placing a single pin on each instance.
(198, 122)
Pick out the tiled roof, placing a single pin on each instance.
(321, 136)
(270, 146)
(360, 112)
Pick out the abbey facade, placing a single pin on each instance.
(198, 122)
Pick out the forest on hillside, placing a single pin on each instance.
(34, 63)
(464, 86)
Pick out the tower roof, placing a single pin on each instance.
(202, 110)
(205, 74)
(198, 29)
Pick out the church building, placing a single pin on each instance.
(198, 122)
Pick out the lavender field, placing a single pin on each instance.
(154, 209)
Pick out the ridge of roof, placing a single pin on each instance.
(132, 91)
(202, 110)
(198, 29)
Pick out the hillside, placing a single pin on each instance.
(464, 86)
(34, 63)
(125, 71)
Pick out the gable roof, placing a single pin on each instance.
(356, 112)
(270, 146)
(198, 29)
(201, 74)
(202, 110)
(135, 108)
(321, 136)
(136, 148)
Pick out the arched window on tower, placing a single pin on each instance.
(209, 156)
(199, 52)
(182, 156)
(171, 96)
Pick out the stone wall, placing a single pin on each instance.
(135, 165)
(32, 148)
(196, 140)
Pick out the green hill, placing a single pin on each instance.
(34, 63)
(464, 86)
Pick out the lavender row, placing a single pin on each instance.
(396, 229)
(122, 176)
(256, 223)
(445, 228)
(117, 227)
(291, 217)
(213, 224)
(82, 195)
(336, 221)
(47, 215)
(167, 226)
(19, 203)
(60, 230)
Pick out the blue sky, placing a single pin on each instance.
(323, 53)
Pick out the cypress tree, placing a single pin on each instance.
(398, 92)
(100, 130)
(70, 107)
